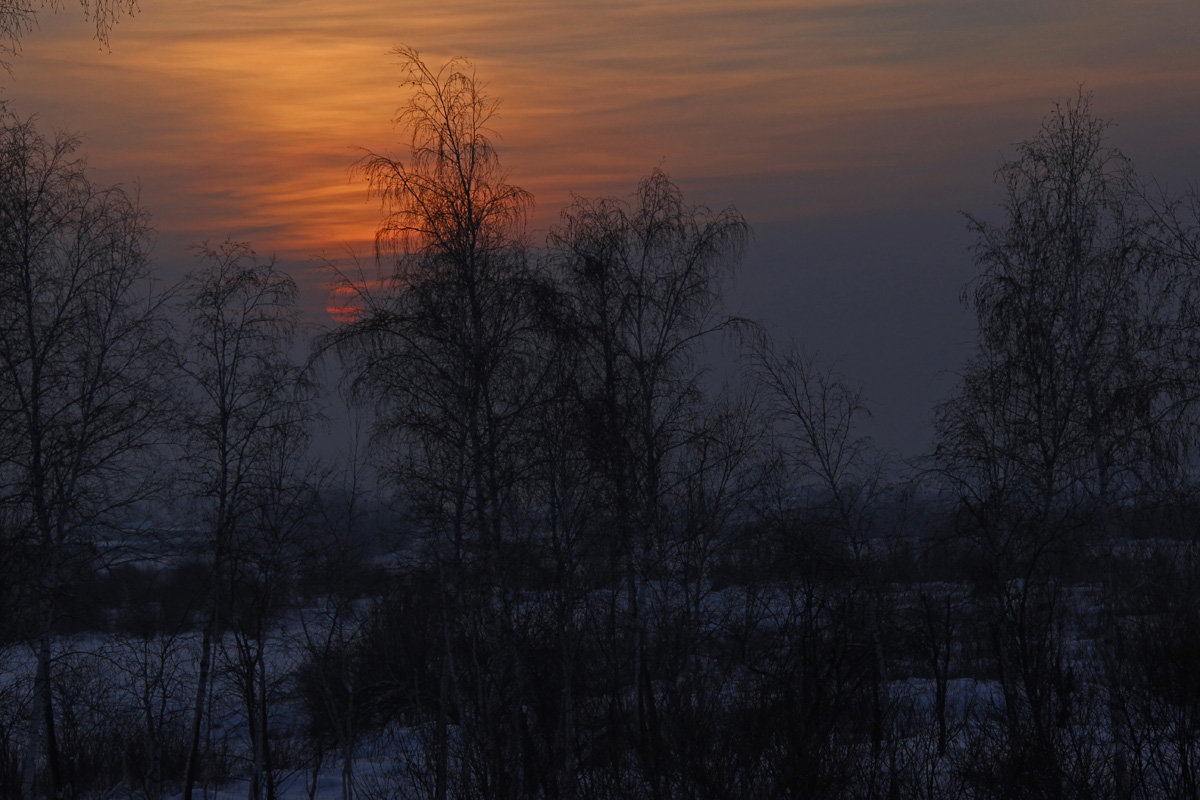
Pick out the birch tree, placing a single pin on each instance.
(449, 352)
(79, 330)
(1058, 416)
(244, 404)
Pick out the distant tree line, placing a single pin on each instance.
(568, 566)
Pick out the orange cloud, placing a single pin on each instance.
(243, 119)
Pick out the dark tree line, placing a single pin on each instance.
(583, 570)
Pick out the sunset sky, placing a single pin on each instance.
(850, 134)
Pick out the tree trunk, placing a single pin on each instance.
(45, 695)
(193, 760)
(443, 745)
(267, 777)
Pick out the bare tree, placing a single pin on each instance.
(1059, 416)
(264, 569)
(244, 409)
(1073, 309)
(817, 416)
(450, 354)
(641, 284)
(78, 327)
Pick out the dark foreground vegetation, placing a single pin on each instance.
(563, 565)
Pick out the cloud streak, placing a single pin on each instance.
(242, 118)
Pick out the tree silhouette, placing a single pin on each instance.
(1058, 419)
(78, 395)
(243, 410)
(640, 283)
(450, 355)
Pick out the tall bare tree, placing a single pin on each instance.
(244, 405)
(78, 329)
(450, 354)
(1073, 310)
(1059, 416)
(641, 283)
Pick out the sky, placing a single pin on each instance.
(852, 134)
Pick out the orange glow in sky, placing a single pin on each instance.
(850, 133)
(241, 119)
